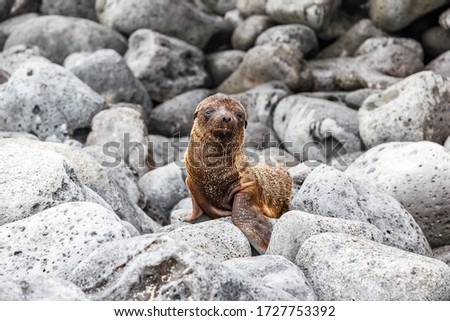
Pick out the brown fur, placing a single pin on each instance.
(220, 179)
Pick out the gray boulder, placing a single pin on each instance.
(436, 41)
(165, 150)
(121, 130)
(62, 106)
(444, 19)
(59, 36)
(314, 14)
(440, 65)
(245, 34)
(35, 180)
(107, 73)
(417, 175)
(443, 254)
(347, 268)
(395, 15)
(39, 288)
(218, 238)
(251, 7)
(163, 188)
(158, 267)
(55, 241)
(175, 116)
(316, 129)
(300, 36)
(265, 63)
(275, 272)
(166, 66)
(295, 227)
(186, 20)
(416, 108)
(221, 64)
(329, 192)
(81, 8)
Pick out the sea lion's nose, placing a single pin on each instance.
(226, 119)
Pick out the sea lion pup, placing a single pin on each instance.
(220, 178)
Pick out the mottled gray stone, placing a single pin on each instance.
(395, 15)
(220, 6)
(163, 187)
(377, 69)
(218, 238)
(417, 175)
(356, 98)
(315, 14)
(295, 227)
(440, 65)
(265, 63)
(177, 215)
(7, 26)
(107, 73)
(245, 34)
(80, 8)
(176, 115)
(300, 36)
(122, 131)
(251, 7)
(275, 272)
(221, 64)
(414, 109)
(158, 267)
(60, 107)
(59, 36)
(348, 268)
(166, 66)
(329, 192)
(443, 254)
(186, 20)
(436, 41)
(39, 288)
(374, 43)
(55, 241)
(165, 150)
(316, 129)
(34, 180)
(444, 19)
(347, 44)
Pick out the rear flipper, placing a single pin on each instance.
(249, 219)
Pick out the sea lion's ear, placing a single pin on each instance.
(195, 115)
(245, 124)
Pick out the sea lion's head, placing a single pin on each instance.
(221, 117)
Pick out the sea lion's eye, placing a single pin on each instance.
(240, 116)
(209, 112)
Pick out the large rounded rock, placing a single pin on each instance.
(165, 150)
(395, 15)
(34, 180)
(416, 108)
(158, 267)
(417, 175)
(175, 116)
(329, 192)
(108, 74)
(46, 99)
(251, 7)
(80, 8)
(262, 64)
(222, 64)
(440, 65)
(178, 18)
(59, 36)
(316, 129)
(245, 34)
(96, 177)
(300, 36)
(276, 272)
(163, 188)
(295, 227)
(436, 41)
(347, 268)
(39, 288)
(121, 131)
(315, 14)
(218, 238)
(55, 241)
(166, 66)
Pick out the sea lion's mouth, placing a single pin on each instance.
(222, 131)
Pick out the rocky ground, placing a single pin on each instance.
(96, 104)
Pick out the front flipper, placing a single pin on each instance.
(249, 219)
